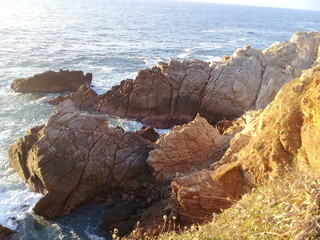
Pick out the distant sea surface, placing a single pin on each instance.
(113, 40)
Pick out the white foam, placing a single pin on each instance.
(218, 30)
(15, 204)
(186, 53)
(151, 61)
(209, 46)
(126, 124)
(212, 59)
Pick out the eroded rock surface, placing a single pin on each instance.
(50, 81)
(173, 93)
(74, 157)
(282, 137)
(187, 148)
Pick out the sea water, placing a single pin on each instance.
(113, 40)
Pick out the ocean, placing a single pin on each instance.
(113, 40)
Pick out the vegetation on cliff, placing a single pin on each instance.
(281, 209)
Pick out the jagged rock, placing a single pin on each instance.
(74, 157)
(280, 138)
(187, 148)
(174, 93)
(84, 97)
(50, 81)
(5, 233)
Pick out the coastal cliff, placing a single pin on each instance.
(195, 170)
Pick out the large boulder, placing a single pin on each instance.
(53, 82)
(187, 148)
(283, 137)
(74, 157)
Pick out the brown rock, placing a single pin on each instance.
(187, 148)
(122, 217)
(283, 137)
(174, 93)
(84, 97)
(148, 133)
(74, 157)
(50, 81)
(152, 222)
(5, 233)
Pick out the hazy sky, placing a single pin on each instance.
(298, 4)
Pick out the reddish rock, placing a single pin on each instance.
(75, 157)
(84, 98)
(50, 81)
(282, 137)
(187, 148)
(173, 93)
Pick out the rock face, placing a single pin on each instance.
(173, 93)
(74, 157)
(187, 148)
(50, 81)
(281, 138)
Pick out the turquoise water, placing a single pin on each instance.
(113, 40)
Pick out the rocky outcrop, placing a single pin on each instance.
(50, 81)
(73, 158)
(5, 233)
(84, 98)
(281, 138)
(187, 148)
(173, 93)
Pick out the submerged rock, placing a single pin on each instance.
(173, 93)
(283, 137)
(74, 157)
(53, 82)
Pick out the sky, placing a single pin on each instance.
(296, 4)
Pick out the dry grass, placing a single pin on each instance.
(283, 209)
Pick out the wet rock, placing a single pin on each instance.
(74, 157)
(50, 81)
(5, 233)
(281, 138)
